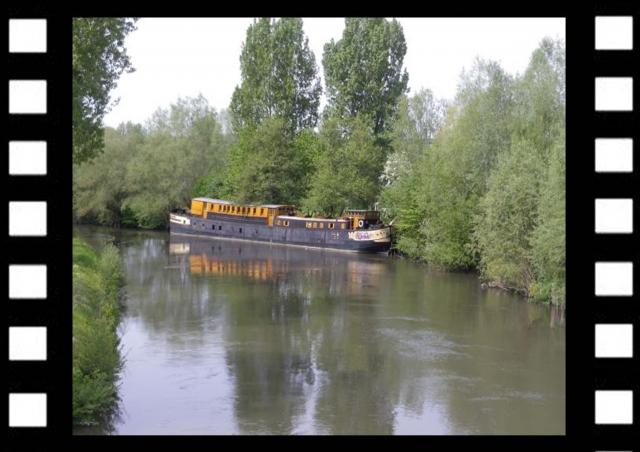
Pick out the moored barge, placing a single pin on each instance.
(355, 230)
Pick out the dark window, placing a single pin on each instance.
(213, 226)
(219, 228)
(240, 230)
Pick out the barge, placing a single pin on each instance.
(355, 230)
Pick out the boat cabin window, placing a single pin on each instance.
(331, 225)
(315, 225)
(286, 223)
(261, 211)
(343, 226)
(321, 225)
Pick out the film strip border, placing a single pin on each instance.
(37, 240)
(613, 200)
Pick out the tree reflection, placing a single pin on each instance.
(296, 341)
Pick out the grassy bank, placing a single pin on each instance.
(97, 282)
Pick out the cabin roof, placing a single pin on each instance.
(217, 201)
(287, 217)
(274, 206)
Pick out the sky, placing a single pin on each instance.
(189, 56)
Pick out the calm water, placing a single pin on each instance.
(223, 337)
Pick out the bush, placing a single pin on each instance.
(97, 281)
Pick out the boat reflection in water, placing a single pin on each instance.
(224, 337)
(348, 273)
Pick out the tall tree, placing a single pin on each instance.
(279, 76)
(99, 58)
(363, 71)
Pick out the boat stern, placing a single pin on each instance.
(371, 240)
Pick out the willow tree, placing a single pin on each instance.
(182, 144)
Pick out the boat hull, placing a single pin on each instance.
(362, 241)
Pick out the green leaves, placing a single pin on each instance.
(97, 280)
(363, 71)
(487, 192)
(145, 172)
(279, 77)
(98, 60)
(267, 165)
(347, 169)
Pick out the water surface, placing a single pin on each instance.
(228, 337)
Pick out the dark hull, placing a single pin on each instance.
(225, 228)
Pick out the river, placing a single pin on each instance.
(229, 337)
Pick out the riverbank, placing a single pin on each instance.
(97, 283)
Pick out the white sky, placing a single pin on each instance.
(185, 57)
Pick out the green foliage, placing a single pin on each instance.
(145, 172)
(266, 165)
(348, 168)
(363, 71)
(412, 132)
(459, 163)
(97, 281)
(508, 214)
(279, 77)
(548, 241)
(487, 191)
(98, 60)
(99, 185)
(418, 120)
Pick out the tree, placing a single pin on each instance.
(363, 71)
(507, 216)
(520, 229)
(548, 239)
(98, 59)
(412, 131)
(348, 168)
(455, 174)
(99, 190)
(279, 77)
(267, 165)
(184, 143)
